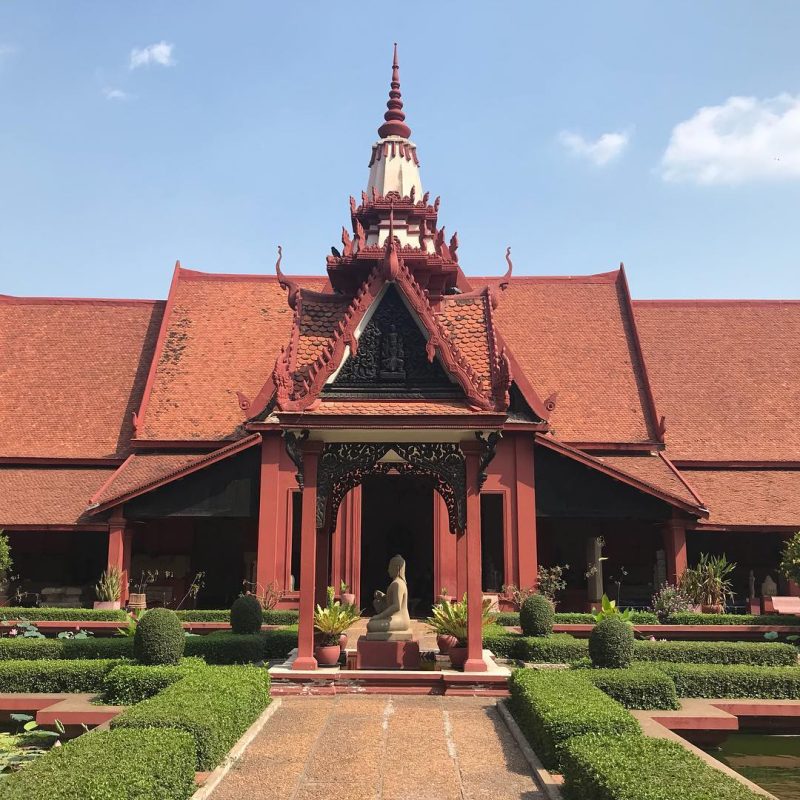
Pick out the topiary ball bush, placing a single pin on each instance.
(536, 616)
(159, 638)
(611, 643)
(247, 615)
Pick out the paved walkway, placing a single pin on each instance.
(379, 747)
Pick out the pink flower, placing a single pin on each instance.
(13, 632)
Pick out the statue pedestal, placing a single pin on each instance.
(387, 654)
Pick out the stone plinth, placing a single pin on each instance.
(391, 654)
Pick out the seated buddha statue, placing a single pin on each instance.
(392, 620)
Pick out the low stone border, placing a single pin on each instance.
(547, 782)
(235, 753)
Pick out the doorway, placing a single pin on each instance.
(397, 518)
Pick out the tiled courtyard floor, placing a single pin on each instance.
(382, 747)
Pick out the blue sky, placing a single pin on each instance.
(135, 134)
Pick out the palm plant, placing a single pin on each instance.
(714, 580)
(451, 619)
(333, 620)
(109, 588)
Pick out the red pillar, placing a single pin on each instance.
(527, 555)
(675, 548)
(268, 512)
(308, 558)
(323, 573)
(120, 544)
(461, 564)
(472, 537)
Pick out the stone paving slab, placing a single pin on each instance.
(382, 747)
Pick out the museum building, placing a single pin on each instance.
(296, 431)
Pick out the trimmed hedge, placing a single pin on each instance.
(772, 654)
(247, 616)
(226, 647)
(552, 706)
(536, 616)
(737, 680)
(52, 614)
(29, 649)
(215, 705)
(641, 686)
(127, 684)
(558, 648)
(511, 618)
(110, 765)
(609, 766)
(46, 675)
(272, 617)
(222, 647)
(691, 618)
(159, 638)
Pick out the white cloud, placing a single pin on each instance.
(744, 139)
(114, 94)
(159, 53)
(601, 151)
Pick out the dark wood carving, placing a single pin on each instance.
(489, 445)
(391, 358)
(344, 465)
(294, 449)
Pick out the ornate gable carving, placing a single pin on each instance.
(391, 358)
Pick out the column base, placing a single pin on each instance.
(475, 665)
(304, 662)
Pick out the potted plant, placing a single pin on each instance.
(689, 585)
(790, 559)
(330, 623)
(450, 621)
(347, 597)
(108, 589)
(6, 563)
(138, 600)
(714, 581)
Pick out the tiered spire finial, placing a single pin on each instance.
(395, 118)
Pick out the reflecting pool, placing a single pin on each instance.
(773, 762)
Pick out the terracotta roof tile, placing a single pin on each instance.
(652, 469)
(391, 408)
(752, 497)
(223, 335)
(726, 375)
(465, 320)
(573, 336)
(317, 322)
(72, 373)
(47, 495)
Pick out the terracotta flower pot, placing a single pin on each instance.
(711, 609)
(107, 605)
(348, 599)
(343, 642)
(137, 601)
(327, 655)
(458, 655)
(445, 643)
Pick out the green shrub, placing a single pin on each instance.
(511, 618)
(92, 647)
(690, 618)
(159, 638)
(110, 765)
(611, 643)
(536, 616)
(552, 706)
(62, 614)
(127, 684)
(46, 675)
(558, 648)
(247, 615)
(773, 654)
(226, 647)
(640, 686)
(736, 680)
(216, 705)
(608, 766)
(507, 618)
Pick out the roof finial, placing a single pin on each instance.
(394, 116)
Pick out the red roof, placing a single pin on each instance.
(574, 337)
(221, 335)
(726, 375)
(753, 497)
(655, 471)
(72, 373)
(47, 495)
